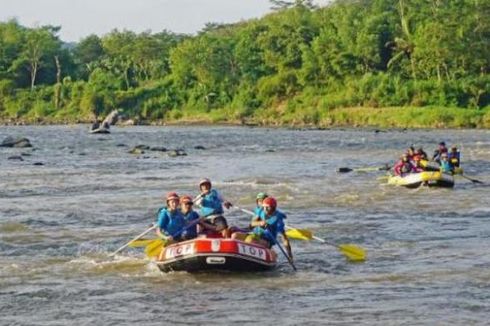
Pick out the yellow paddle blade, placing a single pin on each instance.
(140, 243)
(299, 234)
(353, 252)
(155, 248)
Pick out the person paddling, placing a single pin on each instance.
(410, 153)
(170, 220)
(190, 217)
(269, 226)
(454, 158)
(259, 200)
(212, 203)
(241, 234)
(404, 166)
(439, 151)
(445, 165)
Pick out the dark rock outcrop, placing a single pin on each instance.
(158, 149)
(16, 142)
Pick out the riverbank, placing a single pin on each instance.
(391, 117)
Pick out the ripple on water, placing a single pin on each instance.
(426, 262)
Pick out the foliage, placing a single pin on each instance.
(298, 65)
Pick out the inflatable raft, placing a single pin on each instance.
(429, 178)
(434, 166)
(204, 254)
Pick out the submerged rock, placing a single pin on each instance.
(177, 152)
(15, 157)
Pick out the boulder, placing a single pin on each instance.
(16, 142)
(111, 118)
(136, 150)
(158, 149)
(177, 152)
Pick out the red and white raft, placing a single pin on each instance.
(203, 254)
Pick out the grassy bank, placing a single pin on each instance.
(392, 117)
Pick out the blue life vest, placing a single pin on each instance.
(211, 204)
(190, 217)
(171, 223)
(275, 225)
(445, 166)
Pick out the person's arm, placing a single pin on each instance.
(436, 154)
(257, 222)
(396, 168)
(224, 202)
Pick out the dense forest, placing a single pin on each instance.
(357, 62)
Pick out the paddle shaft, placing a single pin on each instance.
(286, 255)
(136, 238)
(155, 247)
(471, 179)
(290, 227)
(364, 169)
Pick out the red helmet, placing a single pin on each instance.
(172, 196)
(204, 181)
(270, 201)
(186, 199)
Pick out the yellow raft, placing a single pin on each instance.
(427, 178)
(434, 166)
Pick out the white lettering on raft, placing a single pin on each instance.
(251, 251)
(187, 249)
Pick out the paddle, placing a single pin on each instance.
(350, 251)
(140, 243)
(136, 238)
(364, 169)
(154, 248)
(471, 179)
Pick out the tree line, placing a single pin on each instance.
(295, 65)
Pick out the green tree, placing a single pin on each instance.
(40, 46)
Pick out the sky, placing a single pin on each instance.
(79, 18)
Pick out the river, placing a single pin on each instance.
(428, 249)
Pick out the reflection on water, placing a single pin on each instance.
(427, 261)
